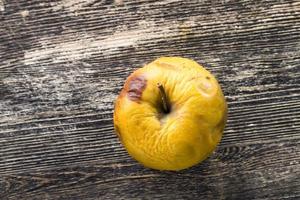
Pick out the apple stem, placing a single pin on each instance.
(164, 99)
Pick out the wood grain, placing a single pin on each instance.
(62, 64)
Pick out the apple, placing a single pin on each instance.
(170, 114)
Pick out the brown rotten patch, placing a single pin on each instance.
(135, 86)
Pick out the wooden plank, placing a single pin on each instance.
(248, 172)
(63, 63)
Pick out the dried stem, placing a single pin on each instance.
(165, 103)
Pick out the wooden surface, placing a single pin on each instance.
(62, 64)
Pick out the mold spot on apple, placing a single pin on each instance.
(206, 87)
(135, 87)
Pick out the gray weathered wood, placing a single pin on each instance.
(62, 64)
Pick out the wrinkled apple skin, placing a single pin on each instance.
(189, 132)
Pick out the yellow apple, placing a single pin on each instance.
(170, 114)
